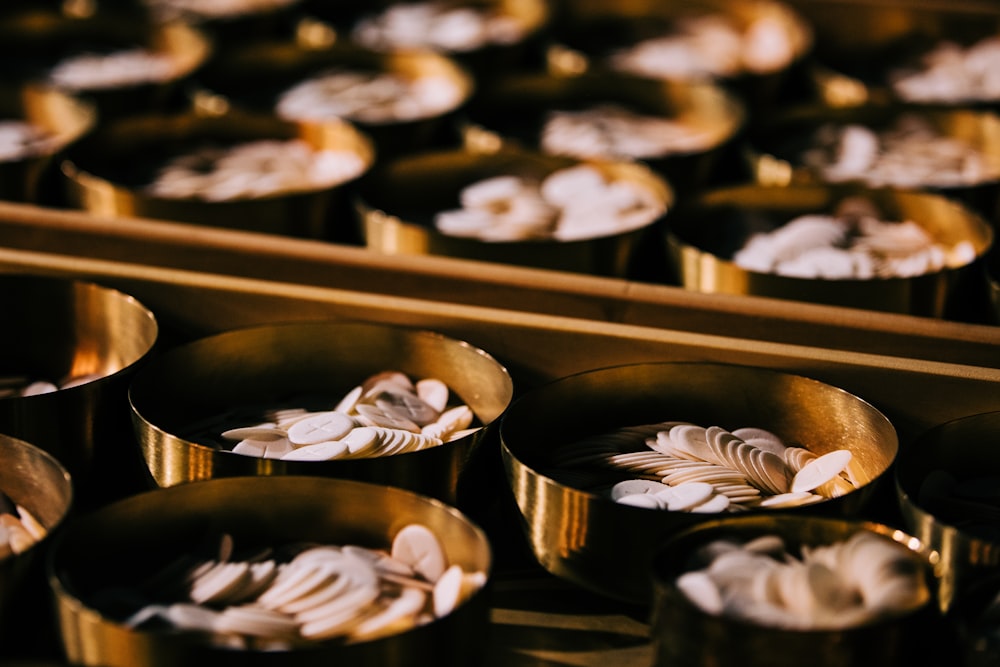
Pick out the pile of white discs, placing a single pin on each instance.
(19, 529)
(296, 596)
(369, 97)
(253, 169)
(441, 26)
(862, 579)
(689, 468)
(910, 153)
(214, 9)
(20, 140)
(849, 247)
(709, 46)
(13, 386)
(385, 415)
(614, 132)
(569, 204)
(950, 73)
(118, 69)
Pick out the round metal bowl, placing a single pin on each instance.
(516, 108)
(126, 543)
(775, 148)
(35, 480)
(268, 365)
(969, 543)
(60, 119)
(255, 76)
(59, 329)
(606, 546)
(682, 633)
(703, 236)
(38, 40)
(397, 201)
(107, 173)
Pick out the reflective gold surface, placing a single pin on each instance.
(606, 546)
(515, 107)
(63, 118)
(57, 328)
(33, 479)
(267, 364)
(100, 173)
(682, 634)
(702, 237)
(124, 543)
(966, 448)
(405, 189)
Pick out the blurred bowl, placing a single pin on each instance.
(704, 235)
(398, 200)
(65, 329)
(751, 45)
(960, 527)
(109, 173)
(589, 539)
(776, 150)
(126, 543)
(261, 78)
(703, 116)
(49, 121)
(36, 481)
(79, 53)
(685, 634)
(271, 364)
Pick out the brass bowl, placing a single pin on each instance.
(703, 236)
(965, 448)
(269, 364)
(39, 39)
(66, 328)
(684, 634)
(127, 542)
(255, 76)
(857, 45)
(398, 199)
(606, 546)
(35, 480)
(106, 174)
(515, 108)
(61, 119)
(774, 147)
(590, 31)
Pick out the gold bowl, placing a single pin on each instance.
(60, 119)
(33, 479)
(584, 537)
(272, 364)
(960, 528)
(703, 237)
(255, 77)
(60, 330)
(124, 544)
(684, 634)
(107, 174)
(43, 41)
(398, 200)
(707, 118)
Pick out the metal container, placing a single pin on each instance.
(127, 542)
(703, 236)
(683, 634)
(265, 365)
(106, 174)
(60, 328)
(606, 546)
(397, 202)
